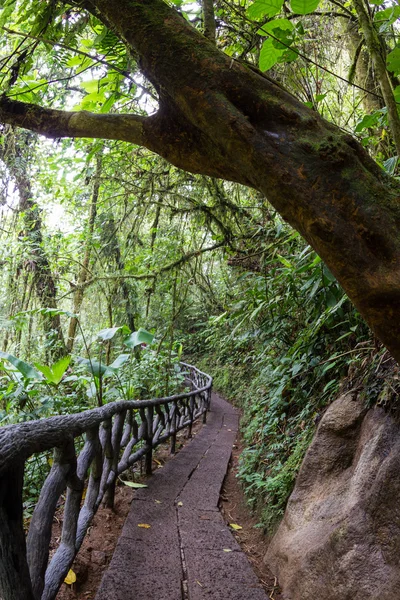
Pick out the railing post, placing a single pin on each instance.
(15, 582)
(115, 448)
(206, 404)
(149, 440)
(173, 410)
(39, 535)
(191, 405)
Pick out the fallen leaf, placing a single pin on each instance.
(227, 550)
(133, 484)
(144, 525)
(235, 526)
(70, 578)
(180, 503)
(158, 501)
(200, 584)
(157, 461)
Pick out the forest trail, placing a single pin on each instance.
(188, 552)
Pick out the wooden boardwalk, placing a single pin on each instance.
(188, 552)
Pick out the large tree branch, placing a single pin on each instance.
(58, 123)
(168, 133)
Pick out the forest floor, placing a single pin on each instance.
(98, 546)
(251, 538)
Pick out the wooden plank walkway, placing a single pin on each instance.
(183, 555)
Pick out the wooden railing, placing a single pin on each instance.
(116, 436)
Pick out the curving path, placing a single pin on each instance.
(182, 556)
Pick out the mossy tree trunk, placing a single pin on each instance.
(43, 281)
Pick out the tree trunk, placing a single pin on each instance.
(84, 270)
(222, 118)
(378, 56)
(364, 74)
(43, 280)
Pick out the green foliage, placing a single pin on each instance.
(276, 48)
(54, 374)
(280, 353)
(137, 338)
(68, 385)
(26, 370)
(264, 8)
(304, 7)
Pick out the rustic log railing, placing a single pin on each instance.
(117, 436)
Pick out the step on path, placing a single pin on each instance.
(182, 556)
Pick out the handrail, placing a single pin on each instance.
(117, 435)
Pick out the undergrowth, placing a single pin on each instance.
(280, 354)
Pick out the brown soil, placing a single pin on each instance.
(97, 548)
(251, 539)
(99, 544)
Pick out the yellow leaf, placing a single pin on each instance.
(157, 461)
(235, 526)
(133, 484)
(198, 582)
(158, 501)
(180, 503)
(144, 525)
(70, 578)
(227, 550)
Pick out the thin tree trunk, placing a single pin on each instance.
(84, 270)
(209, 20)
(378, 56)
(363, 72)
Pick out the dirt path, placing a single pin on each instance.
(175, 544)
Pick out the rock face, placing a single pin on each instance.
(340, 536)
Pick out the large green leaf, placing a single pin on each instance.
(24, 368)
(94, 366)
(138, 337)
(118, 363)
(369, 121)
(393, 60)
(108, 334)
(55, 373)
(275, 25)
(385, 18)
(273, 49)
(304, 7)
(264, 8)
(269, 55)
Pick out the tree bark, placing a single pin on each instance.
(364, 74)
(84, 270)
(378, 56)
(43, 280)
(224, 119)
(209, 19)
